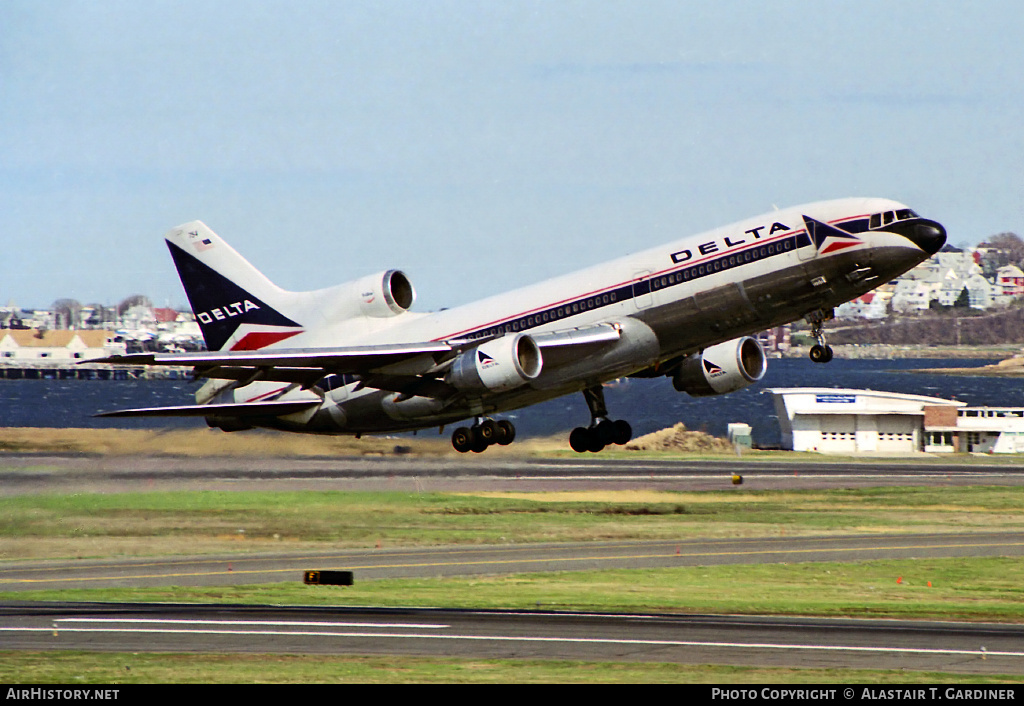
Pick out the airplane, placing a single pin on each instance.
(354, 358)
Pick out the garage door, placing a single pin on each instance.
(838, 433)
(897, 433)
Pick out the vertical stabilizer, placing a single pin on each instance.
(236, 306)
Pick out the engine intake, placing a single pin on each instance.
(499, 365)
(723, 368)
(385, 294)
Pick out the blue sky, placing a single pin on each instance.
(479, 146)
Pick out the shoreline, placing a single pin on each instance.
(885, 351)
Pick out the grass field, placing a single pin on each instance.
(77, 668)
(987, 589)
(98, 525)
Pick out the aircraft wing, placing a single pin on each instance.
(407, 368)
(336, 360)
(241, 409)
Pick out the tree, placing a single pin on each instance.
(134, 300)
(964, 300)
(1009, 250)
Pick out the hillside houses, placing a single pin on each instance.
(940, 281)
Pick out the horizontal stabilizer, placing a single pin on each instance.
(240, 409)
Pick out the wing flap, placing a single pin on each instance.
(584, 335)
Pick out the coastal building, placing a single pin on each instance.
(851, 421)
(830, 420)
(977, 430)
(38, 345)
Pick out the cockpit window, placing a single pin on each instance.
(878, 220)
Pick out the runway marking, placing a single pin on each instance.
(554, 639)
(280, 623)
(497, 562)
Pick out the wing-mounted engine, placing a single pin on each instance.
(727, 367)
(499, 365)
(378, 296)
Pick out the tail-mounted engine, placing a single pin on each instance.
(377, 296)
(719, 369)
(499, 365)
(385, 294)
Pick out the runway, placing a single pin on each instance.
(38, 473)
(693, 639)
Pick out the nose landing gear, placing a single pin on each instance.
(820, 352)
(602, 431)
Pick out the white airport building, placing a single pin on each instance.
(830, 420)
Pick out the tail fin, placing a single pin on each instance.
(235, 304)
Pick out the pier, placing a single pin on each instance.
(57, 371)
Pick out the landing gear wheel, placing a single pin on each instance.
(479, 442)
(479, 436)
(506, 433)
(623, 432)
(579, 439)
(821, 354)
(462, 439)
(488, 431)
(605, 432)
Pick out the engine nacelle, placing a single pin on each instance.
(727, 367)
(378, 296)
(385, 294)
(499, 365)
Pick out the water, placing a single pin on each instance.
(648, 405)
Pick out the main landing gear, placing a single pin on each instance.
(820, 352)
(482, 434)
(602, 431)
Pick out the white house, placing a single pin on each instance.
(867, 306)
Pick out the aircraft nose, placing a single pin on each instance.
(928, 235)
